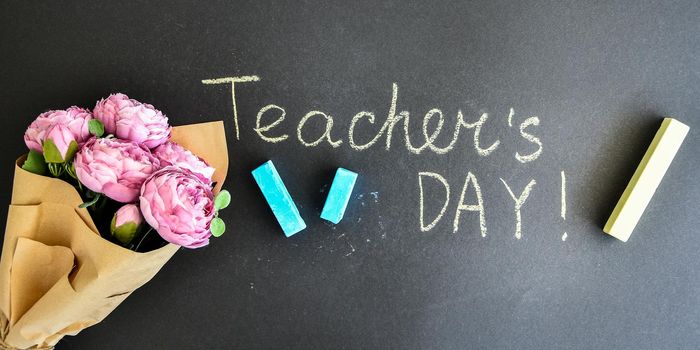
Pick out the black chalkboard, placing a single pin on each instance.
(599, 76)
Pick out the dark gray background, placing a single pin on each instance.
(599, 74)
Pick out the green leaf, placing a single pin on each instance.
(72, 149)
(222, 200)
(51, 153)
(96, 127)
(217, 227)
(91, 202)
(35, 163)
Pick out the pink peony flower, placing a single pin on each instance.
(74, 119)
(177, 204)
(126, 222)
(132, 120)
(170, 153)
(115, 168)
(107, 110)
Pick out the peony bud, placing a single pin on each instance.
(60, 144)
(126, 223)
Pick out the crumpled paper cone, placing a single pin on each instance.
(58, 276)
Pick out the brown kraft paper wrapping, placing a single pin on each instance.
(58, 276)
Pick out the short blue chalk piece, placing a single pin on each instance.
(278, 198)
(338, 195)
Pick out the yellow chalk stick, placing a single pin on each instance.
(646, 179)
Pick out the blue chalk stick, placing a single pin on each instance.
(278, 198)
(338, 195)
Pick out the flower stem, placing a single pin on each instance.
(91, 202)
(142, 238)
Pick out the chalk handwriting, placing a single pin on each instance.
(519, 201)
(563, 201)
(423, 226)
(563, 195)
(262, 129)
(326, 134)
(233, 81)
(366, 130)
(479, 206)
(532, 156)
(393, 118)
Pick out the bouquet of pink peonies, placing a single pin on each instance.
(100, 203)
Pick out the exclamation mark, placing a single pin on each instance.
(563, 201)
